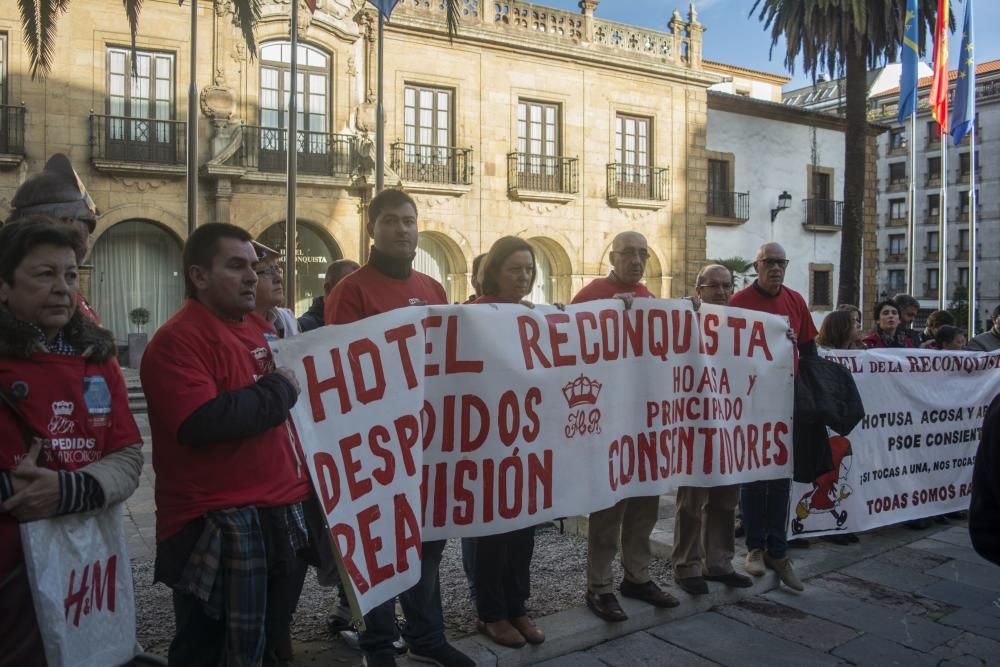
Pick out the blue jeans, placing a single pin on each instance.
(424, 629)
(765, 515)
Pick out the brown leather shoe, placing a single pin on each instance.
(502, 632)
(531, 632)
(605, 606)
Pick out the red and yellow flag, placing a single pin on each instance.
(939, 87)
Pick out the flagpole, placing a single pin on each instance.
(943, 222)
(192, 126)
(380, 115)
(972, 231)
(911, 268)
(292, 150)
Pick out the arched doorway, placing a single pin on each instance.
(315, 252)
(552, 279)
(137, 264)
(432, 259)
(543, 288)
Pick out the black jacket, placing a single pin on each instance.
(313, 318)
(825, 396)
(984, 508)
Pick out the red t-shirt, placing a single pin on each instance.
(607, 288)
(192, 359)
(80, 407)
(368, 292)
(787, 302)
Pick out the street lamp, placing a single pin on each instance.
(784, 201)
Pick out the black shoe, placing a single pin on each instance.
(692, 585)
(838, 539)
(380, 660)
(445, 655)
(732, 580)
(918, 524)
(605, 606)
(798, 544)
(649, 593)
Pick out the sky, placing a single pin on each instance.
(735, 38)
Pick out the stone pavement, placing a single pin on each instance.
(899, 597)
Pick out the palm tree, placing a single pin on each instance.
(38, 24)
(738, 267)
(841, 36)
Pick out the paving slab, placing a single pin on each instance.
(976, 622)
(949, 551)
(875, 593)
(644, 650)
(913, 631)
(970, 649)
(730, 642)
(879, 652)
(957, 594)
(957, 535)
(917, 560)
(892, 576)
(973, 574)
(789, 623)
(578, 659)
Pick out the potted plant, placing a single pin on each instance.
(139, 317)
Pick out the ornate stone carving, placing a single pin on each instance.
(217, 101)
(540, 208)
(139, 184)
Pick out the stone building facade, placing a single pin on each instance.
(556, 126)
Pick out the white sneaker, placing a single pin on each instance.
(755, 563)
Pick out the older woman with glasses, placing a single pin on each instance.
(271, 293)
(62, 391)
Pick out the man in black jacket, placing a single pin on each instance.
(313, 318)
(984, 509)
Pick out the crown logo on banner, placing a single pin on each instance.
(62, 408)
(581, 391)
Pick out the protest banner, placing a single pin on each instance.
(451, 421)
(912, 455)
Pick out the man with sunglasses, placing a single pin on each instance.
(58, 192)
(765, 504)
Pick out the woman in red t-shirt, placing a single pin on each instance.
(887, 332)
(503, 562)
(61, 389)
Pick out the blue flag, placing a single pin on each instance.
(385, 7)
(910, 56)
(965, 91)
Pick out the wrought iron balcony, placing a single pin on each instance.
(319, 153)
(823, 213)
(542, 173)
(628, 181)
(11, 129)
(729, 204)
(138, 140)
(441, 165)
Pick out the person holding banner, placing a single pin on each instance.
(888, 332)
(503, 562)
(765, 504)
(908, 308)
(59, 385)
(230, 482)
(839, 331)
(630, 521)
(313, 318)
(989, 340)
(271, 293)
(385, 283)
(704, 525)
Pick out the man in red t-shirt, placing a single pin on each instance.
(229, 477)
(631, 520)
(765, 504)
(386, 282)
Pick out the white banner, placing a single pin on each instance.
(912, 455)
(451, 421)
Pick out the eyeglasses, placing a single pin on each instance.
(726, 287)
(772, 262)
(271, 272)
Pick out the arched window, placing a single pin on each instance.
(312, 257)
(137, 264)
(312, 103)
(432, 259)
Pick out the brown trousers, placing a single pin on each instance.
(630, 522)
(703, 530)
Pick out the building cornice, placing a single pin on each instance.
(748, 106)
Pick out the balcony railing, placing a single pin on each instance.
(319, 153)
(11, 129)
(138, 140)
(443, 165)
(729, 204)
(823, 213)
(542, 173)
(629, 181)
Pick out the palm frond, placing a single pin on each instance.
(454, 18)
(132, 9)
(38, 24)
(247, 14)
